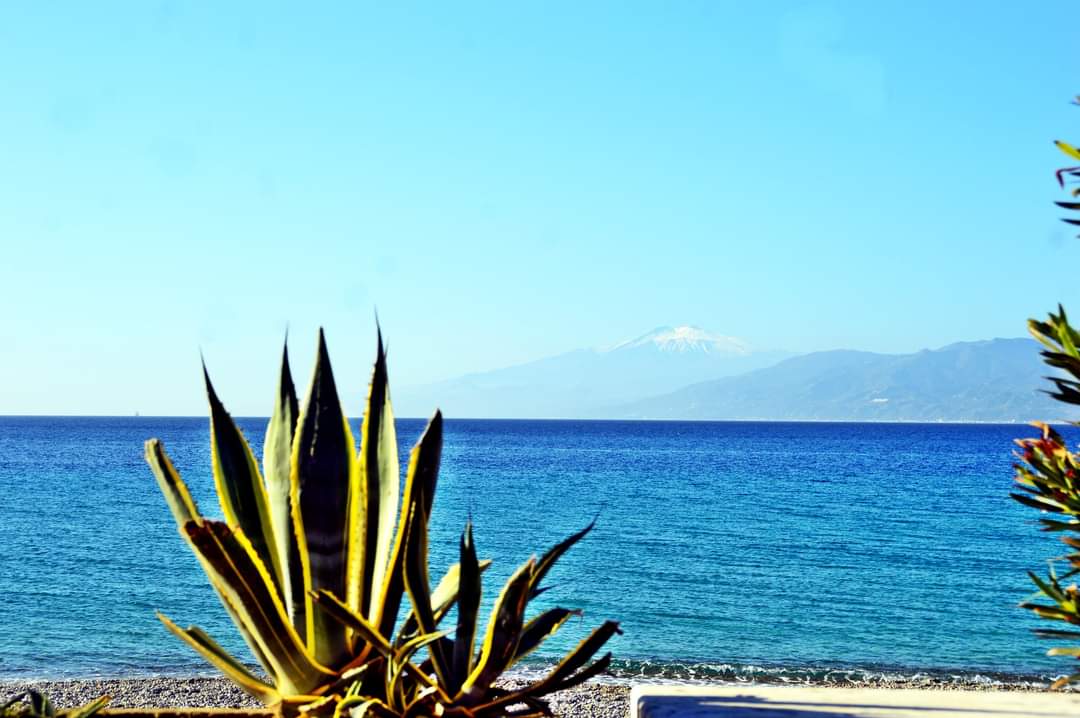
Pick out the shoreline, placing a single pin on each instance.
(596, 699)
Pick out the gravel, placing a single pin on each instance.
(588, 701)
(592, 700)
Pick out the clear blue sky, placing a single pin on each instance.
(505, 181)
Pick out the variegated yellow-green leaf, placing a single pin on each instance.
(323, 462)
(346, 616)
(420, 480)
(277, 468)
(245, 585)
(503, 633)
(1068, 149)
(176, 492)
(568, 666)
(548, 560)
(540, 628)
(468, 604)
(220, 658)
(375, 496)
(239, 484)
(419, 590)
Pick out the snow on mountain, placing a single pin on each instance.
(579, 383)
(685, 338)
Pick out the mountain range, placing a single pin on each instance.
(686, 372)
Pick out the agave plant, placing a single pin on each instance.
(33, 704)
(314, 561)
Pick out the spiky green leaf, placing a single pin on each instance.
(277, 467)
(469, 592)
(375, 495)
(323, 462)
(420, 480)
(239, 484)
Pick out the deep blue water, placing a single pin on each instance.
(723, 548)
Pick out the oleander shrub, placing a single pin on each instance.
(1048, 473)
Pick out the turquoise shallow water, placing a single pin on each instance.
(727, 550)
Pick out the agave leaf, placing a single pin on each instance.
(540, 628)
(375, 496)
(443, 597)
(277, 467)
(1064, 652)
(420, 480)
(583, 675)
(185, 512)
(547, 561)
(575, 659)
(40, 704)
(349, 618)
(469, 592)
(400, 664)
(176, 492)
(414, 644)
(239, 485)
(220, 658)
(503, 633)
(1068, 149)
(323, 461)
(419, 590)
(84, 711)
(243, 583)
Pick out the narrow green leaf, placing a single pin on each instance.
(235, 671)
(469, 591)
(1048, 588)
(1052, 633)
(547, 561)
(418, 588)
(540, 628)
(40, 704)
(239, 485)
(245, 586)
(378, 482)
(420, 480)
(581, 676)
(575, 659)
(1064, 652)
(345, 615)
(323, 462)
(176, 492)
(443, 598)
(503, 633)
(1038, 502)
(1067, 149)
(85, 711)
(277, 467)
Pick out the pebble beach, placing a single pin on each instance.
(588, 701)
(593, 700)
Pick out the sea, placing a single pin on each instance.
(728, 551)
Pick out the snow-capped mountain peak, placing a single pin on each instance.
(686, 339)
